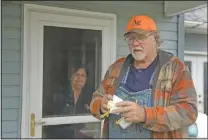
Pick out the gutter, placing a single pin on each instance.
(195, 27)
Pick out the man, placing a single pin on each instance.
(158, 94)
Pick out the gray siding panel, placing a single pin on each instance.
(10, 55)
(11, 44)
(11, 63)
(11, 21)
(10, 115)
(166, 26)
(9, 126)
(168, 35)
(10, 9)
(168, 44)
(10, 79)
(10, 103)
(10, 135)
(10, 91)
(11, 32)
(10, 67)
(196, 42)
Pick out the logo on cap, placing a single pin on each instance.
(136, 22)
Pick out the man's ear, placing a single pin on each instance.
(156, 35)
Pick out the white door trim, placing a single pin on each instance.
(193, 61)
(197, 61)
(108, 49)
(195, 53)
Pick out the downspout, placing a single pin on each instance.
(0, 65)
(21, 70)
(180, 36)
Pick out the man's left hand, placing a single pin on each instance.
(131, 111)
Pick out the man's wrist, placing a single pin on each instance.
(144, 118)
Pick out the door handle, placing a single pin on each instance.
(40, 122)
(33, 123)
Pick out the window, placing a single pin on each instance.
(71, 69)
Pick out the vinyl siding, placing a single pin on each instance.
(11, 69)
(196, 42)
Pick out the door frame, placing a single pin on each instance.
(28, 8)
(197, 72)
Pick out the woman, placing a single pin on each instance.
(78, 96)
(75, 100)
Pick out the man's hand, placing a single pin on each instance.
(104, 102)
(131, 111)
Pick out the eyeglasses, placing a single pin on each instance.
(130, 39)
(81, 75)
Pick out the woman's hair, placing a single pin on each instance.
(80, 66)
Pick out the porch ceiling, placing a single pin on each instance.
(196, 21)
(172, 8)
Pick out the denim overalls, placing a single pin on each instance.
(135, 130)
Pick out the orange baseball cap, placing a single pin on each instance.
(141, 22)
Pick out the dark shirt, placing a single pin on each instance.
(139, 79)
(65, 106)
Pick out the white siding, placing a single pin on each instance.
(196, 42)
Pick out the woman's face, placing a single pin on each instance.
(79, 78)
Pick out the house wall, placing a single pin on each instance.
(11, 69)
(12, 37)
(196, 42)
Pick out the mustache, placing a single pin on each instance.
(138, 49)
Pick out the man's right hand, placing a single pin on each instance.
(104, 102)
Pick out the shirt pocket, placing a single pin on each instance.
(166, 85)
(166, 91)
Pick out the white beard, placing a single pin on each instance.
(138, 57)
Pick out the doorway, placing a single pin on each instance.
(197, 65)
(57, 44)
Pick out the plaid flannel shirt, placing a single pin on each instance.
(174, 96)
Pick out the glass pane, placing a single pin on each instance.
(71, 69)
(87, 130)
(188, 64)
(205, 87)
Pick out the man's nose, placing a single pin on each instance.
(135, 43)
